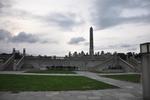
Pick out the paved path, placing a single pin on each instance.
(114, 94)
(118, 83)
(127, 91)
(117, 73)
(22, 73)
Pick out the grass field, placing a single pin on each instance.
(51, 71)
(49, 83)
(130, 77)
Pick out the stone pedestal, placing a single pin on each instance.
(146, 76)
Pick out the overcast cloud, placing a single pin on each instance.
(76, 40)
(58, 26)
(65, 21)
(23, 37)
(109, 13)
(4, 35)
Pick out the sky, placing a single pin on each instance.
(55, 27)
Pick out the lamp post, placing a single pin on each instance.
(145, 51)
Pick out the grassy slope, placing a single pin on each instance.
(49, 83)
(130, 77)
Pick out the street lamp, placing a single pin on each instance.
(145, 51)
(145, 48)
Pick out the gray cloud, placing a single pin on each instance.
(86, 43)
(122, 45)
(119, 46)
(4, 35)
(7, 10)
(23, 37)
(1, 5)
(65, 21)
(143, 38)
(132, 49)
(62, 20)
(51, 41)
(125, 45)
(129, 47)
(76, 40)
(5, 3)
(108, 12)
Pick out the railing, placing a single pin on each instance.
(131, 66)
(1, 66)
(119, 59)
(18, 65)
(136, 60)
(135, 63)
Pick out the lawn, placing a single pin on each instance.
(49, 83)
(51, 71)
(130, 77)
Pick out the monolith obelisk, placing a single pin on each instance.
(91, 49)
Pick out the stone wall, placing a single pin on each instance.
(93, 63)
(43, 62)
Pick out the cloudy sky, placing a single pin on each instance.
(55, 27)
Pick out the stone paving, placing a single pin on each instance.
(117, 73)
(118, 83)
(127, 91)
(22, 73)
(113, 94)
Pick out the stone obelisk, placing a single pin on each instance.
(91, 49)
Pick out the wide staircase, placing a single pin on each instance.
(8, 64)
(13, 62)
(18, 64)
(136, 63)
(115, 63)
